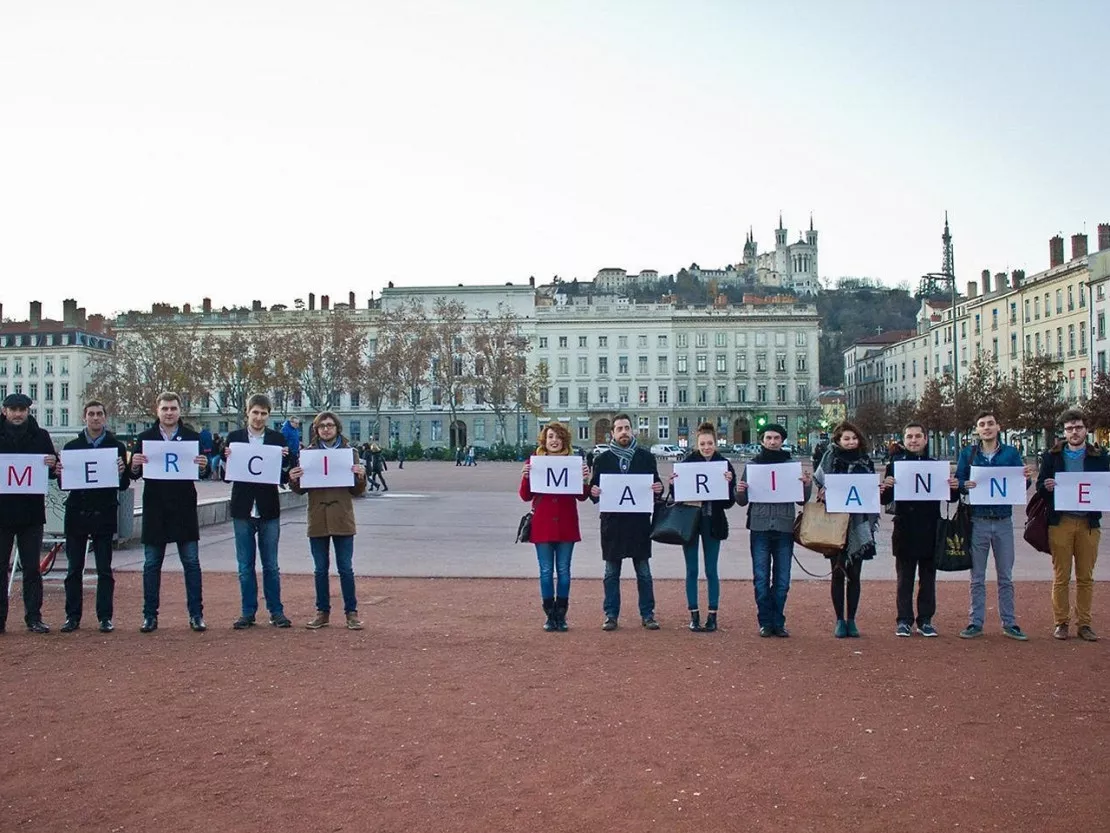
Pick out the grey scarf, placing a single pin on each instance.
(624, 455)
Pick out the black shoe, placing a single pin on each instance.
(37, 626)
(197, 623)
(695, 621)
(610, 623)
(280, 620)
(240, 624)
(766, 630)
(150, 623)
(782, 631)
(70, 625)
(561, 605)
(106, 626)
(549, 609)
(650, 623)
(711, 621)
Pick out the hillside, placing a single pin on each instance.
(848, 314)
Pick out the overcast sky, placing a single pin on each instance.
(157, 151)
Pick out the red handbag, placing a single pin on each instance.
(1036, 523)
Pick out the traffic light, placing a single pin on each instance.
(760, 421)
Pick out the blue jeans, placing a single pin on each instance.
(344, 554)
(985, 534)
(712, 548)
(266, 533)
(771, 555)
(555, 557)
(644, 588)
(153, 556)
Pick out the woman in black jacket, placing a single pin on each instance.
(712, 529)
(847, 454)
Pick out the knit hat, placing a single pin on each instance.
(773, 426)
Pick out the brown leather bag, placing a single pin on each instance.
(821, 531)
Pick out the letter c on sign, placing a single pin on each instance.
(250, 466)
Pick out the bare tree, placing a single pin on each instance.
(451, 347)
(325, 357)
(1098, 405)
(934, 411)
(152, 354)
(404, 353)
(1040, 387)
(502, 379)
(240, 364)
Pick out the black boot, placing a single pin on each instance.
(695, 620)
(711, 621)
(549, 609)
(561, 605)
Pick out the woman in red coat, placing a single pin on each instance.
(554, 529)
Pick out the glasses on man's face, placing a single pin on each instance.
(330, 425)
(1075, 427)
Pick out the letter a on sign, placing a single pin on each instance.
(626, 493)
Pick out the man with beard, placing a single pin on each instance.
(914, 538)
(23, 516)
(91, 515)
(626, 535)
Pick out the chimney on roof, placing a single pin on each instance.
(187, 309)
(986, 276)
(311, 301)
(1001, 282)
(1, 313)
(532, 281)
(36, 313)
(972, 289)
(1078, 246)
(256, 306)
(1018, 276)
(1103, 236)
(391, 284)
(325, 303)
(350, 300)
(206, 305)
(81, 320)
(69, 313)
(1055, 251)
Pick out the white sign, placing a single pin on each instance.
(171, 460)
(1087, 491)
(90, 468)
(997, 486)
(700, 481)
(326, 468)
(774, 482)
(24, 474)
(253, 463)
(626, 493)
(555, 475)
(921, 480)
(856, 494)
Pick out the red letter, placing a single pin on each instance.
(1084, 493)
(18, 479)
(325, 466)
(773, 486)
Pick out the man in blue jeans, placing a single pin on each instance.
(255, 516)
(169, 516)
(992, 527)
(772, 537)
(626, 535)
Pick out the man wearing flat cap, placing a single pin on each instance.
(23, 516)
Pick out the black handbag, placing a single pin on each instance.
(952, 552)
(675, 523)
(524, 529)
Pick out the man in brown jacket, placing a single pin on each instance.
(331, 517)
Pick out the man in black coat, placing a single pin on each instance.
(626, 535)
(169, 516)
(914, 538)
(23, 516)
(91, 515)
(255, 516)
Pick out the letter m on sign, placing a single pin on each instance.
(558, 478)
(20, 480)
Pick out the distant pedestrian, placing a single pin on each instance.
(376, 468)
(291, 430)
(458, 456)
(400, 457)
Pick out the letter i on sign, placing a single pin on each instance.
(773, 485)
(325, 465)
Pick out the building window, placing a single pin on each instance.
(33, 391)
(742, 393)
(3, 367)
(543, 342)
(700, 363)
(544, 396)
(760, 393)
(701, 339)
(47, 367)
(682, 340)
(703, 394)
(803, 394)
(994, 319)
(603, 365)
(562, 342)
(1013, 345)
(780, 362)
(603, 395)
(622, 365)
(48, 417)
(722, 363)
(480, 428)
(642, 365)
(32, 367)
(1083, 338)
(643, 394)
(977, 327)
(48, 391)
(564, 397)
(741, 363)
(722, 394)
(622, 395)
(664, 429)
(662, 365)
(583, 431)
(583, 366)
(662, 341)
(1013, 312)
(760, 362)
(801, 362)
(1071, 339)
(355, 427)
(17, 367)
(583, 397)
(622, 341)
(643, 425)
(663, 395)
(564, 366)
(641, 341)
(780, 393)
(436, 430)
(799, 339)
(680, 364)
(582, 341)
(63, 419)
(683, 396)
(720, 339)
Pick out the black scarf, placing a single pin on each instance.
(765, 455)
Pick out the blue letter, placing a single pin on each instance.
(853, 497)
(1001, 486)
(171, 460)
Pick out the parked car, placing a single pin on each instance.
(667, 451)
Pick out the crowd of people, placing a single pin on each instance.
(169, 516)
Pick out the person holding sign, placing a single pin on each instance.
(256, 512)
(170, 513)
(712, 525)
(847, 454)
(992, 527)
(23, 504)
(331, 519)
(771, 527)
(554, 527)
(91, 516)
(915, 532)
(1072, 535)
(626, 535)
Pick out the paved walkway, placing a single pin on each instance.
(441, 520)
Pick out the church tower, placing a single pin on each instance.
(811, 235)
(749, 248)
(780, 234)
